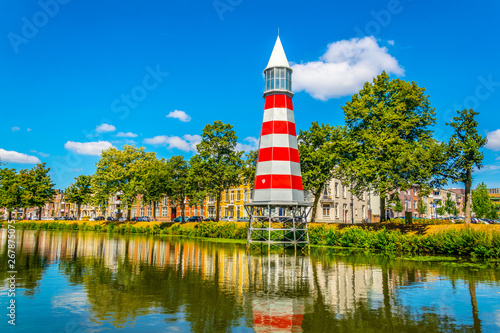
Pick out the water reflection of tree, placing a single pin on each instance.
(29, 265)
(120, 290)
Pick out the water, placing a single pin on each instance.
(89, 282)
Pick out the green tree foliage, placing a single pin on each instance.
(422, 207)
(481, 202)
(80, 192)
(117, 172)
(38, 187)
(249, 167)
(450, 206)
(389, 122)
(397, 206)
(321, 149)
(10, 190)
(463, 154)
(218, 166)
(152, 178)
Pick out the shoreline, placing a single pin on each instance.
(402, 241)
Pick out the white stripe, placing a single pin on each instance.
(279, 114)
(278, 140)
(278, 168)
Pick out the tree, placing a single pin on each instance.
(389, 122)
(481, 202)
(152, 177)
(116, 173)
(218, 165)
(463, 154)
(178, 186)
(38, 187)
(422, 207)
(10, 190)
(450, 206)
(397, 205)
(440, 211)
(321, 149)
(493, 214)
(80, 192)
(249, 167)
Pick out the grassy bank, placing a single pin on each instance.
(475, 241)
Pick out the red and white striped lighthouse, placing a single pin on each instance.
(278, 177)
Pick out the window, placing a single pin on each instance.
(227, 196)
(363, 212)
(164, 212)
(134, 212)
(149, 211)
(337, 190)
(157, 210)
(142, 211)
(165, 201)
(415, 192)
(238, 195)
(345, 191)
(238, 209)
(436, 193)
(232, 195)
(245, 197)
(326, 210)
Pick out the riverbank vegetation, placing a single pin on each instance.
(481, 241)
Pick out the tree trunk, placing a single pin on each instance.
(78, 213)
(317, 196)
(217, 208)
(183, 208)
(24, 213)
(468, 185)
(9, 215)
(475, 310)
(154, 210)
(39, 213)
(382, 208)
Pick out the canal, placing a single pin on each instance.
(91, 282)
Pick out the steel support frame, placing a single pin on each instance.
(278, 225)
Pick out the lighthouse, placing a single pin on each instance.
(278, 212)
(278, 176)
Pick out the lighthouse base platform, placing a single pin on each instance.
(278, 224)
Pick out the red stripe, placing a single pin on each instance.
(278, 127)
(297, 183)
(278, 181)
(278, 154)
(278, 101)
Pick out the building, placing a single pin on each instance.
(338, 204)
(232, 203)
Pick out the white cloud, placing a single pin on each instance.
(15, 128)
(187, 143)
(181, 115)
(15, 157)
(28, 130)
(253, 144)
(390, 42)
(88, 148)
(344, 68)
(105, 128)
(493, 140)
(126, 135)
(490, 168)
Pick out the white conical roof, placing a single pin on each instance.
(278, 57)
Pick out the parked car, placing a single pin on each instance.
(179, 219)
(227, 219)
(134, 219)
(122, 219)
(194, 219)
(242, 219)
(145, 219)
(110, 218)
(209, 219)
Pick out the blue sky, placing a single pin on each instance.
(68, 66)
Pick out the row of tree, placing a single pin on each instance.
(386, 145)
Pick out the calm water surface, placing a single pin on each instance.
(91, 282)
